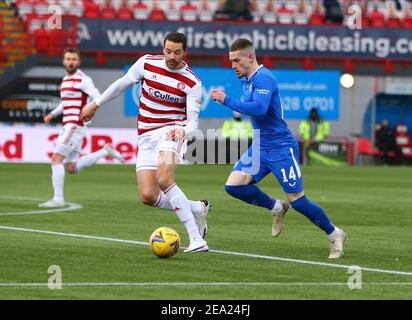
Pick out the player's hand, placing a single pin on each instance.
(218, 95)
(176, 134)
(47, 118)
(88, 112)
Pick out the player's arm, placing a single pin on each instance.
(54, 113)
(134, 75)
(193, 103)
(90, 89)
(110, 93)
(258, 107)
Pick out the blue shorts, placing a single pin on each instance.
(282, 162)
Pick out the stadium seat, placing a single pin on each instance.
(172, 11)
(124, 12)
(393, 20)
(317, 17)
(364, 146)
(269, 15)
(376, 18)
(75, 7)
(140, 11)
(91, 9)
(302, 13)
(41, 7)
(108, 11)
(407, 16)
(157, 13)
(24, 7)
(189, 11)
(205, 12)
(41, 39)
(284, 14)
(407, 22)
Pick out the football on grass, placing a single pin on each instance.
(164, 242)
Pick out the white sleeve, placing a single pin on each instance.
(114, 90)
(58, 110)
(136, 71)
(89, 88)
(134, 75)
(193, 104)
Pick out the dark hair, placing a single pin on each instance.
(176, 37)
(240, 44)
(71, 50)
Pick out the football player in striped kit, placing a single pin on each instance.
(168, 111)
(75, 91)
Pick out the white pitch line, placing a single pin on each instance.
(318, 263)
(198, 284)
(70, 207)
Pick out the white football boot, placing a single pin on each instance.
(336, 244)
(52, 204)
(197, 246)
(200, 219)
(113, 153)
(278, 217)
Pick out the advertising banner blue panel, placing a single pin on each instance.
(299, 90)
(269, 39)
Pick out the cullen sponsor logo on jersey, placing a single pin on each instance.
(163, 96)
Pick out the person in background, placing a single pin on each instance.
(313, 130)
(237, 128)
(386, 142)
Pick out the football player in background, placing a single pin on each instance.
(76, 89)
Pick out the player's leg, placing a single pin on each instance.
(165, 176)
(92, 158)
(149, 189)
(288, 173)
(241, 183)
(57, 178)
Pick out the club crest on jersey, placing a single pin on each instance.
(154, 77)
(181, 86)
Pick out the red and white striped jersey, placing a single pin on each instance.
(166, 94)
(76, 91)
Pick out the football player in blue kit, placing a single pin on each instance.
(274, 148)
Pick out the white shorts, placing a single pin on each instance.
(151, 143)
(69, 142)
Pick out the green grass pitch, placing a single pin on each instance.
(372, 204)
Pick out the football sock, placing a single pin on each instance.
(90, 159)
(58, 181)
(252, 195)
(163, 202)
(181, 206)
(314, 213)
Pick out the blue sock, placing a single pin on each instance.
(252, 195)
(314, 213)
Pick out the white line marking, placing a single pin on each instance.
(332, 265)
(70, 207)
(197, 284)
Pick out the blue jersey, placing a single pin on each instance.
(261, 101)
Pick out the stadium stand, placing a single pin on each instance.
(365, 147)
(378, 14)
(15, 47)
